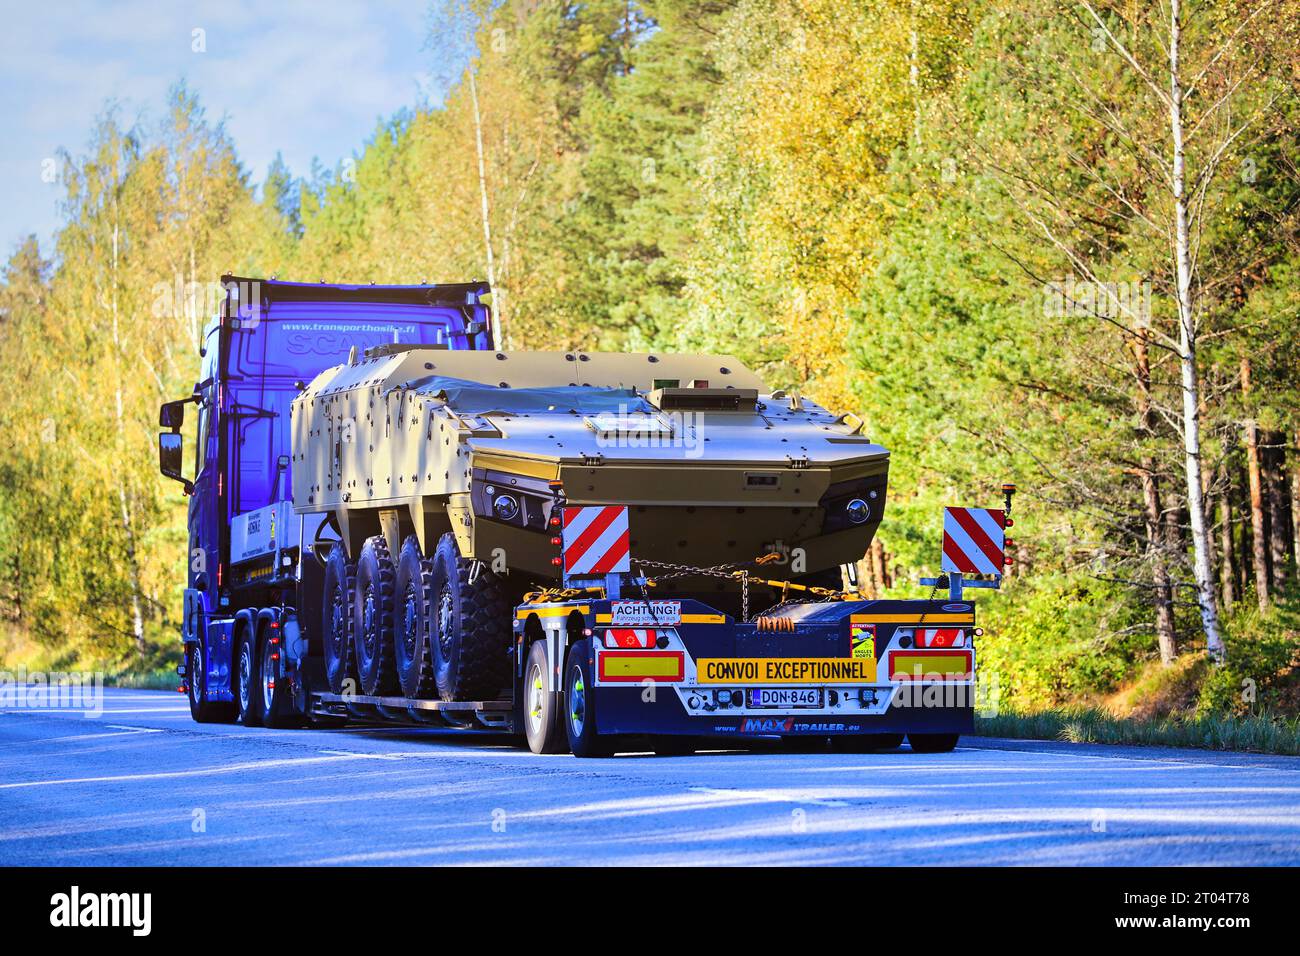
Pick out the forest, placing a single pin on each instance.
(1054, 243)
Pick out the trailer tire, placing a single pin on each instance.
(203, 711)
(248, 683)
(542, 718)
(865, 743)
(933, 743)
(372, 619)
(336, 622)
(469, 632)
(413, 637)
(579, 705)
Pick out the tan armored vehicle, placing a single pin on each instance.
(445, 472)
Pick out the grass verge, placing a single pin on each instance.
(1256, 734)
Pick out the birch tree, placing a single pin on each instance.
(1167, 99)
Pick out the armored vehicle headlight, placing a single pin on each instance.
(858, 510)
(505, 507)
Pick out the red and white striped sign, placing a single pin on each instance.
(940, 637)
(631, 637)
(973, 540)
(595, 540)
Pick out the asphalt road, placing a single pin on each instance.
(142, 784)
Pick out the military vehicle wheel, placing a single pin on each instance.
(865, 743)
(248, 702)
(372, 619)
(336, 622)
(470, 633)
(933, 743)
(541, 707)
(413, 588)
(204, 711)
(579, 705)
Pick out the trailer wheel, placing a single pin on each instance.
(247, 683)
(542, 724)
(933, 743)
(470, 627)
(336, 622)
(579, 705)
(865, 743)
(372, 619)
(412, 641)
(204, 711)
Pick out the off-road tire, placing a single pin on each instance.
(336, 622)
(412, 625)
(470, 635)
(372, 619)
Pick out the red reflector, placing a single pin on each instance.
(631, 637)
(557, 541)
(940, 637)
(555, 561)
(182, 689)
(555, 522)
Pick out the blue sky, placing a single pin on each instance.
(307, 79)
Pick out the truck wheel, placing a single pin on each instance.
(470, 635)
(579, 705)
(273, 692)
(865, 743)
(933, 743)
(204, 711)
(336, 622)
(411, 646)
(372, 619)
(541, 711)
(248, 702)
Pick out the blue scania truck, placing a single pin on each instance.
(283, 602)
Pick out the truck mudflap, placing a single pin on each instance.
(841, 667)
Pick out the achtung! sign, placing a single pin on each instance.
(785, 670)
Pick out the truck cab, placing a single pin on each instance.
(268, 340)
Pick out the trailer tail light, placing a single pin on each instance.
(631, 638)
(941, 637)
(632, 667)
(930, 665)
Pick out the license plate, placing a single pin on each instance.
(785, 697)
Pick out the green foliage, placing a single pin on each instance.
(850, 196)
(1264, 733)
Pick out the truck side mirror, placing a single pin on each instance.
(172, 414)
(169, 458)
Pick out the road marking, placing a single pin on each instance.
(1161, 759)
(123, 733)
(201, 772)
(768, 796)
